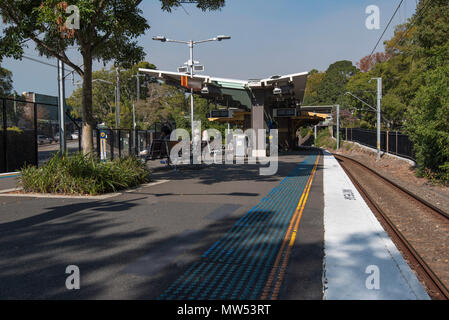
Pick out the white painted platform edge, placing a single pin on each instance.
(334, 288)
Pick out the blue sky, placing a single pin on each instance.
(268, 38)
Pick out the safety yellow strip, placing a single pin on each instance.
(290, 238)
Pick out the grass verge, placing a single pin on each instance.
(84, 175)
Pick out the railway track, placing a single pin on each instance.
(436, 287)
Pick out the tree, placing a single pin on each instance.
(428, 123)
(107, 32)
(5, 82)
(332, 88)
(368, 62)
(163, 103)
(313, 81)
(415, 85)
(103, 95)
(169, 104)
(428, 120)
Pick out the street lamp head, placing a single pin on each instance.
(222, 37)
(160, 38)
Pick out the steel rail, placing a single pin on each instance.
(432, 280)
(394, 184)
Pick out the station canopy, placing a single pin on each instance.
(288, 89)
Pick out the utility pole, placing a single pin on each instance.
(61, 113)
(338, 127)
(134, 110)
(191, 62)
(379, 99)
(377, 110)
(138, 87)
(117, 99)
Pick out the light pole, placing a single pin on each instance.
(191, 62)
(379, 99)
(61, 113)
(138, 75)
(117, 99)
(338, 127)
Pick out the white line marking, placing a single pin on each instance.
(6, 193)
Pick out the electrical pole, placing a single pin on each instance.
(61, 113)
(134, 110)
(338, 127)
(138, 87)
(117, 99)
(379, 99)
(191, 62)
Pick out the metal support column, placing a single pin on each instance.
(61, 104)
(36, 147)
(338, 127)
(258, 123)
(379, 99)
(5, 137)
(117, 99)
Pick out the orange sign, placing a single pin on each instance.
(185, 81)
(191, 83)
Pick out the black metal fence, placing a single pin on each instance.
(392, 142)
(29, 134)
(120, 142)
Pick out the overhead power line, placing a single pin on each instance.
(386, 28)
(39, 61)
(47, 64)
(418, 15)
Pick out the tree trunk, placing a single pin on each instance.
(88, 121)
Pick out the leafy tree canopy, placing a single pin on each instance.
(5, 82)
(313, 82)
(108, 31)
(428, 114)
(332, 88)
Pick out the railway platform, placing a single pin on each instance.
(273, 251)
(223, 232)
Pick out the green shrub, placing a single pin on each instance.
(428, 125)
(304, 131)
(324, 140)
(83, 175)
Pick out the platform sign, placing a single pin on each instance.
(190, 83)
(103, 140)
(221, 113)
(184, 81)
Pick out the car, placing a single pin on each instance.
(41, 139)
(75, 135)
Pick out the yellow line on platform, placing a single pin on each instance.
(289, 239)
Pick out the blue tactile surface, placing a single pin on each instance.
(238, 265)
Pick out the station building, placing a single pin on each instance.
(271, 103)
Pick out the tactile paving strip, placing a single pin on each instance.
(238, 265)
